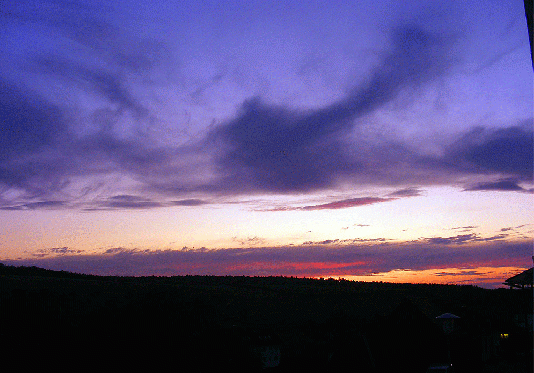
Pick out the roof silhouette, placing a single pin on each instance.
(521, 280)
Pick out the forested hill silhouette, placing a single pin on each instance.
(36, 271)
(65, 320)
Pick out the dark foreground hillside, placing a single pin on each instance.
(66, 321)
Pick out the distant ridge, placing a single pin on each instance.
(8, 270)
(33, 271)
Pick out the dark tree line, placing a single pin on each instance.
(202, 323)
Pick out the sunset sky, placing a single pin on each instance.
(370, 140)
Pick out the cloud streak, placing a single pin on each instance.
(506, 185)
(336, 205)
(464, 239)
(334, 258)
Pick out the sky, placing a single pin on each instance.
(369, 140)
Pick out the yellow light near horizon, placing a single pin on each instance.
(453, 276)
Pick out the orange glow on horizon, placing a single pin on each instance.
(483, 276)
(480, 276)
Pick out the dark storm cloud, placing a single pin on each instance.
(329, 259)
(275, 148)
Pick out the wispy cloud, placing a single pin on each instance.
(460, 273)
(351, 202)
(464, 238)
(467, 227)
(250, 241)
(125, 202)
(40, 205)
(106, 84)
(55, 251)
(335, 205)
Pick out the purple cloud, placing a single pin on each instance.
(40, 205)
(506, 185)
(341, 258)
(464, 239)
(346, 203)
(406, 192)
(107, 84)
(275, 148)
(189, 202)
(125, 202)
(56, 251)
(48, 146)
(336, 205)
(29, 127)
(506, 151)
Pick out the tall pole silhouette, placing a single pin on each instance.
(528, 14)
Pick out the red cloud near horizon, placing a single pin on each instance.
(307, 260)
